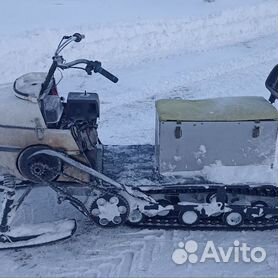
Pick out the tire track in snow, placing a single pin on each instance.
(126, 252)
(132, 252)
(146, 258)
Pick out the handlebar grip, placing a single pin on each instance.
(108, 75)
(78, 37)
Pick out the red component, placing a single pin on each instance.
(53, 91)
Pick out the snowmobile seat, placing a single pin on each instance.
(28, 86)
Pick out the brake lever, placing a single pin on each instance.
(66, 37)
(88, 69)
(92, 66)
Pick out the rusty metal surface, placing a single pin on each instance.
(21, 138)
(13, 140)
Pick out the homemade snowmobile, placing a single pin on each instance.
(46, 140)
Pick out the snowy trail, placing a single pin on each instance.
(126, 44)
(133, 253)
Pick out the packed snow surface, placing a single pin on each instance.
(158, 49)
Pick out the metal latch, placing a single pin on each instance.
(178, 132)
(256, 131)
(39, 129)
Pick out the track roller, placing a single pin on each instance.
(110, 210)
(189, 217)
(233, 218)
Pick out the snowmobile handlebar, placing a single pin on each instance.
(66, 40)
(59, 62)
(78, 37)
(96, 67)
(91, 66)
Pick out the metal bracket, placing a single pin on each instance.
(39, 129)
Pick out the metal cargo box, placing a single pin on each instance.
(233, 131)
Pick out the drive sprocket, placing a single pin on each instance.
(38, 167)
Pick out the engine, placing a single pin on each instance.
(80, 116)
(82, 107)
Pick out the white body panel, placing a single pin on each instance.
(17, 112)
(22, 125)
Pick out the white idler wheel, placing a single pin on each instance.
(135, 216)
(114, 200)
(122, 209)
(110, 210)
(233, 218)
(117, 220)
(101, 202)
(189, 217)
(95, 212)
(103, 221)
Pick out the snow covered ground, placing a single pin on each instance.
(158, 49)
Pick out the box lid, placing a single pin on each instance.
(216, 109)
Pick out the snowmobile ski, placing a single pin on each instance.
(37, 234)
